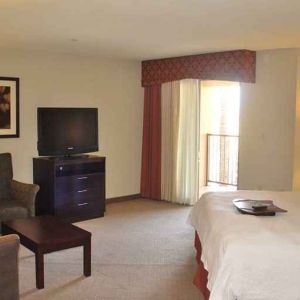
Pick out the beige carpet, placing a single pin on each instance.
(141, 249)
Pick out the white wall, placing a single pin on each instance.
(267, 120)
(60, 80)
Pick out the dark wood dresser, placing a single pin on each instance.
(71, 189)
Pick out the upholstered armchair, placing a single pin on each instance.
(9, 273)
(17, 200)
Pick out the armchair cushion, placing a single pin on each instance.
(25, 194)
(12, 209)
(17, 199)
(9, 274)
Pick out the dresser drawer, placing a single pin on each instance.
(66, 184)
(75, 197)
(83, 167)
(80, 210)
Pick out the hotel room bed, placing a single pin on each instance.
(247, 257)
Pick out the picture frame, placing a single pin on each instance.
(9, 107)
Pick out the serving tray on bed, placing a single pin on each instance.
(257, 207)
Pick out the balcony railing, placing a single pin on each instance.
(222, 159)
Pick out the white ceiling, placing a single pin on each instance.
(145, 29)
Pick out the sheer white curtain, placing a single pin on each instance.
(180, 141)
(188, 142)
(170, 104)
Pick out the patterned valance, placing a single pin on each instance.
(238, 65)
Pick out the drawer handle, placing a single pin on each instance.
(82, 178)
(82, 191)
(82, 204)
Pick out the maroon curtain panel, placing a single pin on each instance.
(151, 151)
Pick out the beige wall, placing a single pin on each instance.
(296, 179)
(267, 121)
(59, 80)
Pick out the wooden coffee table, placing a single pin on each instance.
(45, 234)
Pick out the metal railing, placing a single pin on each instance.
(222, 159)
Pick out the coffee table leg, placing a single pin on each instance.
(39, 270)
(87, 258)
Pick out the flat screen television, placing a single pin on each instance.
(67, 131)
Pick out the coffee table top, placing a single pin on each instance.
(47, 231)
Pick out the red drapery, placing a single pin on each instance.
(238, 65)
(151, 155)
(200, 279)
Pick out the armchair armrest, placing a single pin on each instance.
(25, 193)
(9, 273)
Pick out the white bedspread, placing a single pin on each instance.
(249, 257)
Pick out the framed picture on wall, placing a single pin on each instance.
(9, 107)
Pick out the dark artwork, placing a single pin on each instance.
(5, 122)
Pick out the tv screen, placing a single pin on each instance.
(67, 131)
